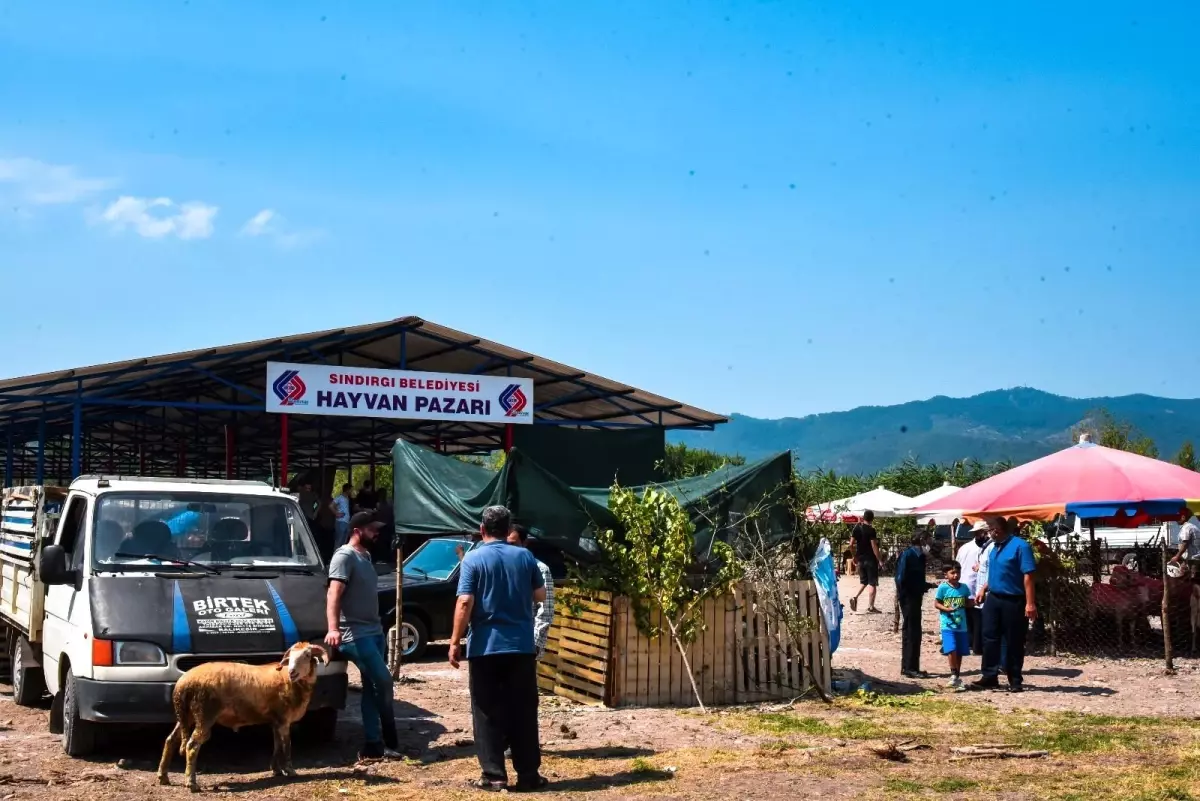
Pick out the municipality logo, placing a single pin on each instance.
(513, 400)
(290, 388)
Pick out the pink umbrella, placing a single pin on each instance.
(1082, 474)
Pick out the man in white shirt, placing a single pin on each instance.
(1189, 543)
(968, 556)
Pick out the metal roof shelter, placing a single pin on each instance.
(201, 413)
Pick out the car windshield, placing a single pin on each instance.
(436, 559)
(211, 529)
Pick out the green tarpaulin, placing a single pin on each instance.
(438, 494)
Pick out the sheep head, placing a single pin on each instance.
(301, 661)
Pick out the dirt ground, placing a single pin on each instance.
(1074, 709)
(1129, 686)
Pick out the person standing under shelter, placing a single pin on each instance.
(352, 615)
(497, 588)
(911, 587)
(968, 558)
(543, 611)
(341, 517)
(866, 553)
(1010, 605)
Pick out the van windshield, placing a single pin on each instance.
(164, 529)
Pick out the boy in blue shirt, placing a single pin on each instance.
(952, 601)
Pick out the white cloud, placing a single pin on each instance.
(259, 224)
(155, 218)
(270, 223)
(40, 184)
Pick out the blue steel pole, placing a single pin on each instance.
(41, 453)
(77, 433)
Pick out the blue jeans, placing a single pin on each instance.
(341, 533)
(369, 656)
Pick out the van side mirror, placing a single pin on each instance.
(52, 566)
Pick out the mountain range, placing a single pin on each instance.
(1011, 424)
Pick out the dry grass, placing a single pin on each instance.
(1091, 756)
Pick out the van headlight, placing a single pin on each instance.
(138, 653)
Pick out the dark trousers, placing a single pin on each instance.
(910, 633)
(975, 629)
(1004, 621)
(504, 711)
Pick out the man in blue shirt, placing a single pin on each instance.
(1011, 606)
(498, 585)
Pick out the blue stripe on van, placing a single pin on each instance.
(181, 632)
(290, 635)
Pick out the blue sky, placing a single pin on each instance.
(774, 208)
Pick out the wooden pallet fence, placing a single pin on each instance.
(743, 654)
(771, 665)
(576, 662)
(596, 655)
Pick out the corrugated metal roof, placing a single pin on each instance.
(222, 375)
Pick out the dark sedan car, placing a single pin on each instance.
(430, 587)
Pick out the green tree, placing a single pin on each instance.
(653, 563)
(1186, 456)
(1107, 430)
(680, 461)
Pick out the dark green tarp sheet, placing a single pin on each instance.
(585, 458)
(438, 494)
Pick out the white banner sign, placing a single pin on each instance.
(401, 394)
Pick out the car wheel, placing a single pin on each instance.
(414, 639)
(78, 735)
(27, 682)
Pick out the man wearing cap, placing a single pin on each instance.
(498, 585)
(968, 562)
(1010, 606)
(352, 616)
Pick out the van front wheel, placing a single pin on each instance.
(78, 735)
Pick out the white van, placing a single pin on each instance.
(113, 588)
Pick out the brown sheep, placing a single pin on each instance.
(235, 695)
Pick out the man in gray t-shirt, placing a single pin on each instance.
(352, 616)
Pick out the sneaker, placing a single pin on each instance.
(1016, 688)
(985, 684)
(853, 604)
(955, 683)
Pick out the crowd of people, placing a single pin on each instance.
(504, 611)
(985, 602)
(330, 519)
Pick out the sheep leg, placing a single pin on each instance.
(283, 744)
(173, 743)
(200, 735)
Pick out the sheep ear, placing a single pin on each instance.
(321, 653)
(283, 662)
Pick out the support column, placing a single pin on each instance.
(283, 450)
(77, 433)
(40, 475)
(508, 437)
(8, 461)
(230, 444)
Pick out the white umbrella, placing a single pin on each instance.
(941, 517)
(883, 502)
